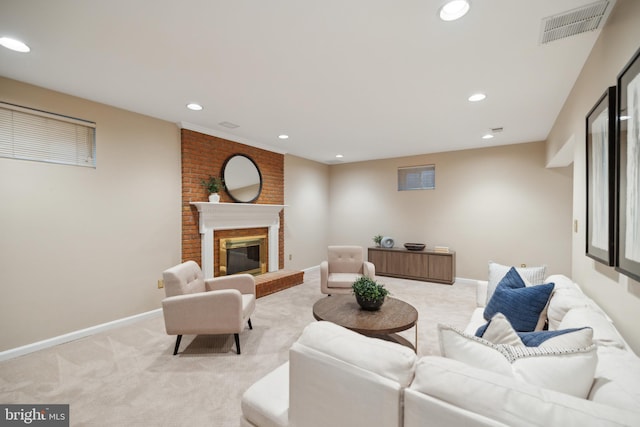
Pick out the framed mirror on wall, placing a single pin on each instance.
(628, 170)
(242, 178)
(600, 148)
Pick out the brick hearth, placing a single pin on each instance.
(269, 283)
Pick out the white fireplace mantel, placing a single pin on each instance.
(228, 216)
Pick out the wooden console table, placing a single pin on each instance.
(423, 265)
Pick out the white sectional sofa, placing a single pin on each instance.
(336, 377)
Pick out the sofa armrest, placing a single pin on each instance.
(324, 271)
(266, 402)
(369, 269)
(203, 313)
(244, 283)
(324, 277)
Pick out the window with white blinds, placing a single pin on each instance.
(417, 178)
(29, 134)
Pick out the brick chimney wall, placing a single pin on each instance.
(204, 155)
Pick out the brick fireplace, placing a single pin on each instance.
(236, 218)
(203, 155)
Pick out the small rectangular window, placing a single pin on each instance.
(417, 178)
(29, 134)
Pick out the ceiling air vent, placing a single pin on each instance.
(229, 125)
(577, 21)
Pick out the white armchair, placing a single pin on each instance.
(343, 266)
(214, 306)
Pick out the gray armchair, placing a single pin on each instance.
(197, 306)
(343, 266)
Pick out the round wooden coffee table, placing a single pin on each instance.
(394, 316)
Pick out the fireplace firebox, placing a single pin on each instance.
(243, 255)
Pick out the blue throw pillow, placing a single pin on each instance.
(534, 339)
(520, 304)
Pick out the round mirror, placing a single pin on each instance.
(242, 178)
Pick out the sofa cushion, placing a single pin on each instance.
(391, 360)
(604, 333)
(569, 371)
(616, 381)
(523, 306)
(342, 280)
(509, 401)
(532, 275)
(476, 320)
(500, 331)
(562, 300)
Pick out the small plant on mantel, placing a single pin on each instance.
(369, 293)
(213, 185)
(377, 239)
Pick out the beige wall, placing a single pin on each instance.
(80, 246)
(306, 194)
(497, 204)
(618, 294)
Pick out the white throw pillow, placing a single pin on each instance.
(604, 333)
(500, 331)
(530, 275)
(569, 371)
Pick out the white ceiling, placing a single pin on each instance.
(367, 79)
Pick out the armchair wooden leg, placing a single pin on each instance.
(237, 337)
(178, 339)
(250, 327)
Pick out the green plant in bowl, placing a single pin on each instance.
(369, 293)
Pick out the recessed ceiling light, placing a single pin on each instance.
(453, 10)
(283, 136)
(14, 44)
(477, 97)
(487, 136)
(339, 156)
(195, 107)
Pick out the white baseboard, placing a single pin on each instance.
(312, 269)
(72, 336)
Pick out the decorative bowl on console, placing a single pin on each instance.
(414, 246)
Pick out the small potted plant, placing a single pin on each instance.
(213, 185)
(369, 293)
(377, 239)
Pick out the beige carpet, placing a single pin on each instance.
(128, 376)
